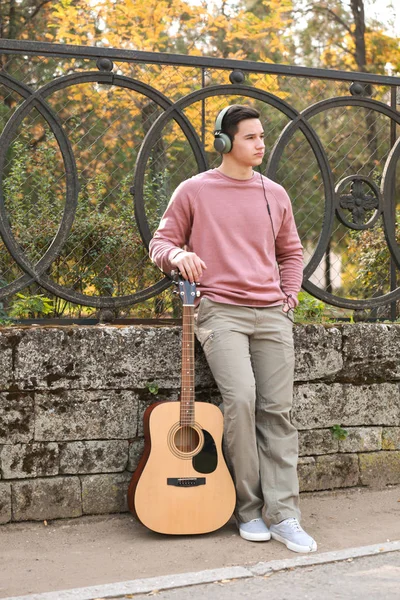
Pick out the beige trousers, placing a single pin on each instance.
(251, 356)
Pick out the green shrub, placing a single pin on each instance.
(309, 309)
(31, 307)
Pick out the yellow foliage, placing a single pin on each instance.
(173, 25)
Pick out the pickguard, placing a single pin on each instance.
(207, 459)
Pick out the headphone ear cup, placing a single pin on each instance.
(222, 143)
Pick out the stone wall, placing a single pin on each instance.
(72, 401)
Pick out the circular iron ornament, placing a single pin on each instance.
(327, 179)
(39, 276)
(24, 91)
(162, 120)
(387, 184)
(357, 202)
(33, 272)
(389, 208)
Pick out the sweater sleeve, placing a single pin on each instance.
(289, 255)
(173, 231)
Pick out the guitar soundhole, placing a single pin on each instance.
(186, 439)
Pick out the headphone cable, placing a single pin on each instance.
(268, 208)
(288, 296)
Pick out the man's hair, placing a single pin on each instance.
(235, 114)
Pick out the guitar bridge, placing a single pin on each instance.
(186, 481)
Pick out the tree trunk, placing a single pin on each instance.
(8, 32)
(357, 9)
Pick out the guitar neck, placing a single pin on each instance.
(187, 378)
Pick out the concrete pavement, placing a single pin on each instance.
(357, 573)
(113, 556)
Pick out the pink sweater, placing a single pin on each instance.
(226, 223)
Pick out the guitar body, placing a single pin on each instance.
(182, 484)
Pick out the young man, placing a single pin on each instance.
(232, 230)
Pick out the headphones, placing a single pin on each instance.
(222, 141)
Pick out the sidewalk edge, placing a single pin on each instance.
(306, 560)
(145, 586)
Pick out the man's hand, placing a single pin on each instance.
(190, 265)
(289, 303)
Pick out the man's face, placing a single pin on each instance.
(248, 145)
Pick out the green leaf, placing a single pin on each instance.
(153, 388)
(338, 433)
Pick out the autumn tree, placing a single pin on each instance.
(20, 19)
(337, 34)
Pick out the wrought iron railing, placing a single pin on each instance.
(94, 140)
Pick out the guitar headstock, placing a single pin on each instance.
(187, 291)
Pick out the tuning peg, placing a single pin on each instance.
(198, 293)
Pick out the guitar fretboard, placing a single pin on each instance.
(187, 379)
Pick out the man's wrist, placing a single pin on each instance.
(174, 253)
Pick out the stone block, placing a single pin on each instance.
(320, 405)
(328, 472)
(136, 448)
(17, 417)
(93, 457)
(376, 404)
(9, 340)
(71, 415)
(317, 405)
(100, 357)
(5, 502)
(317, 441)
(318, 352)
(391, 438)
(105, 493)
(371, 352)
(45, 499)
(306, 473)
(378, 469)
(362, 439)
(21, 461)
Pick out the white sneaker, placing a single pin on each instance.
(254, 531)
(290, 533)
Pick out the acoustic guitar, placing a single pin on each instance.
(182, 484)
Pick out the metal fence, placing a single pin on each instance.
(94, 140)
